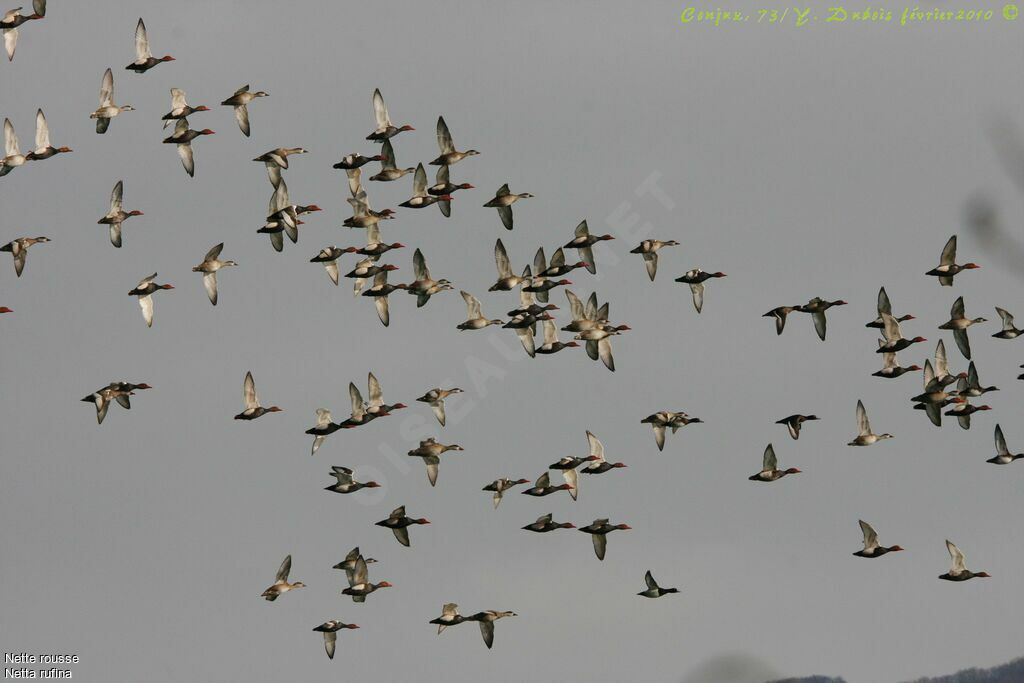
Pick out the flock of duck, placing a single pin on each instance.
(945, 393)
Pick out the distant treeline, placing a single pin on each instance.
(1011, 672)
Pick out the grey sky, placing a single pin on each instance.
(821, 161)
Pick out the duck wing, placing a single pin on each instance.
(600, 544)
(444, 137)
(659, 436)
(106, 90)
(146, 303)
(697, 288)
(505, 213)
(388, 152)
(187, 159)
(604, 352)
(870, 537)
(957, 311)
(142, 52)
(649, 580)
(487, 631)
(42, 132)
(651, 262)
(884, 305)
(1001, 448)
(419, 265)
(769, 463)
(820, 324)
(330, 642)
(863, 426)
(957, 557)
(376, 395)
(358, 410)
(383, 309)
(380, 112)
(10, 42)
(572, 479)
(116, 197)
(284, 570)
(402, 535)
(501, 260)
(101, 407)
(525, 335)
(249, 397)
(596, 447)
(210, 283)
(473, 307)
(419, 181)
(242, 116)
(963, 342)
(948, 256)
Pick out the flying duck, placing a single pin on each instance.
(599, 530)
(43, 150)
(117, 215)
(871, 547)
(12, 19)
(345, 483)
(181, 109)
(544, 524)
(183, 137)
(399, 524)
(430, 451)
(817, 307)
(19, 250)
(144, 59)
(144, 291)
(107, 109)
(330, 630)
(653, 589)
(499, 486)
(696, 278)
(1003, 455)
(665, 418)
(649, 250)
(947, 267)
(385, 129)
(475, 319)
(865, 437)
(583, 242)
(253, 409)
(449, 617)
(1009, 331)
(449, 155)
(240, 101)
(388, 166)
(959, 323)
(795, 422)
(959, 572)
(435, 399)
(281, 585)
(359, 585)
(885, 306)
(486, 620)
(770, 468)
(503, 201)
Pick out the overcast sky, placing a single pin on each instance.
(823, 161)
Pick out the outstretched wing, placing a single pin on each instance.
(380, 111)
(285, 569)
(863, 426)
(142, 52)
(444, 137)
(870, 537)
